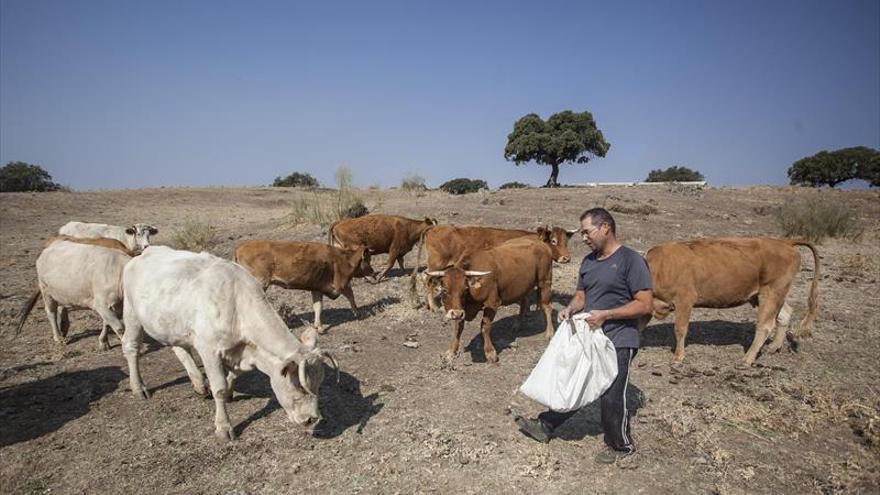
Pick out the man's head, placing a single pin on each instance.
(598, 228)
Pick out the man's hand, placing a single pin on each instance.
(564, 314)
(597, 317)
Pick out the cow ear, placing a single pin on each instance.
(543, 233)
(290, 368)
(130, 231)
(153, 231)
(309, 338)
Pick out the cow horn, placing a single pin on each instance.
(302, 376)
(326, 355)
(435, 273)
(474, 273)
(572, 232)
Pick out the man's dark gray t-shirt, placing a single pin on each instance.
(611, 283)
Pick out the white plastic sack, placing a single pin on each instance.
(577, 367)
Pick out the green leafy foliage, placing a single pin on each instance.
(674, 174)
(296, 179)
(833, 167)
(566, 137)
(513, 185)
(463, 186)
(22, 176)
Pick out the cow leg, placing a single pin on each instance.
(544, 301)
(783, 320)
(217, 379)
(457, 328)
(682, 319)
(195, 375)
(769, 305)
(393, 254)
(109, 320)
(131, 344)
(486, 329)
(51, 306)
(400, 262)
(347, 292)
(63, 321)
(317, 305)
(230, 384)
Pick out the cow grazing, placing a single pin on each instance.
(445, 244)
(202, 303)
(319, 268)
(381, 234)
(724, 273)
(135, 237)
(79, 275)
(488, 279)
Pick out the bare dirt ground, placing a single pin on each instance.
(400, 422)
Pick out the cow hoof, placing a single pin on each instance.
(743, 365)
(492, 357)
(449, 356)
(142, 394)
(321, 329)
(202, 391)
(225, 433)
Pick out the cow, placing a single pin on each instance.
(135, 237)
(202, 303)
(95, 241)
(319, 268)
(445, 244)
(485, 280)
(729, 272)
(80, 275)
(381, 234)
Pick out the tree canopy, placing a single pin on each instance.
(833, 167)
(566, 137)
(22, 176)
(674, 174)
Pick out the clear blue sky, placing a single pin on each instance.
(118, 94)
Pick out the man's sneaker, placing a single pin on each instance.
(610, 456)
(534, 428)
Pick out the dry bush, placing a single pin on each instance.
(322, 208)
(194, 236)
(858, 266)
(307, 209)
(817, 218)
(413, 183)
(633, 210)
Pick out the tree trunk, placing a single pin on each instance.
(551, 182)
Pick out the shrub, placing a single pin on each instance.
(296, 179)
(513, 185)
(413, 183)
(832, 168)
(357, 209)
(307, 209)
(21, 176)
(674, 174)
(634, 210)
(463, 186)
(194, 236)
(817, 218)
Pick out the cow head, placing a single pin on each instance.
(139, 235)
(297, 383)
(557, 238)
(455, 284)
(361, 260)
(431, 221)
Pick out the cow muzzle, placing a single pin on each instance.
(563, 260)
(455, 314)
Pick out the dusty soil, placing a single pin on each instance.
(398, 421)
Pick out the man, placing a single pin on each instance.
(614, 285)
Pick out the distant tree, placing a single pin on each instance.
(833, 167)
(296, 179)
(463, 186)
(513, 185)
(21, 176)
(565, 137)
(674, 174)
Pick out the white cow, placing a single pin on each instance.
(136, 237)
(204, 303)
(73, 275)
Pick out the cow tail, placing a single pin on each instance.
(805, 329)
(25, 310)
(413, 292)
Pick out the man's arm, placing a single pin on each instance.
(576, 304)
(641, 305)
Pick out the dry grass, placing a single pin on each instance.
(194, 236)
(817, 218)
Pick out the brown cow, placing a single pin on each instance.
(487, 279)
(445, 244)
(322, 269)
(96, 241)
(724, 273)
(381, 234)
